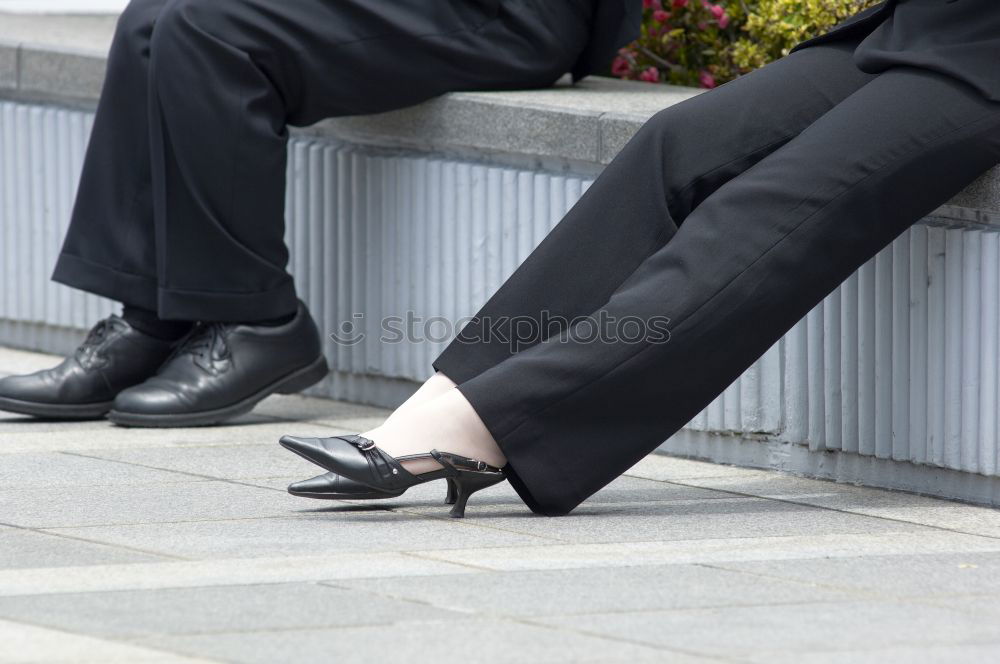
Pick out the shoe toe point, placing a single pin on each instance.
(310, 486)
(148, 400)
(297, 443)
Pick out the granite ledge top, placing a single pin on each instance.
(61, 59)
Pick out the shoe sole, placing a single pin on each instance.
(55, 411)
(372, 495)
(294, 382)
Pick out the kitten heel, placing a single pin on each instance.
(470, 476)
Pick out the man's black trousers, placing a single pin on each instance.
(181, 201)
(732, 215)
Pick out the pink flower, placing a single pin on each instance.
(651, 4)
(724, 21)
(706, 79)
(651, 75)
(680, 3)
(661, 16)
(717, 11)
(620, 67)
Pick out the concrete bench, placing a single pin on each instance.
(891, 381)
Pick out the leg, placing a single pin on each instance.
(227, 76)
(675, 162)
(748, 263)
(109, 248)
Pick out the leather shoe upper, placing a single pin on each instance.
(354, 457)
(223, 363)
(334, 485)
(114, 356)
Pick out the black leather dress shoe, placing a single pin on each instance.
(113, 357)
(332, 486)
(223, 370)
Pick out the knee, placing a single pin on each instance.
(669, 128)
(217, 18)
(135, 25)
(667, 141)
(178, 18)
(183, 29)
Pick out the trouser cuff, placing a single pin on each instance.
(132, 289)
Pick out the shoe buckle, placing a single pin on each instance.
(367, 445)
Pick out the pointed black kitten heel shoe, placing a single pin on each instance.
(332, 486)
(360, 460)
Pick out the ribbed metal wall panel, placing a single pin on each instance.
(41, 152)
(900, 362)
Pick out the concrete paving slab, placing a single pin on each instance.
(661, 467)
(141, 613)
(205, 573)
(16, 361)
(684, 520)
(154, 503)
(983, 606)
(244, 461)
(30, 644)
(788, 628)
(623, 490)
(713, 551)
(23, 435)
(54, 471)
(22, 549)
(930, 575)
(918, 654)
(582, 591)
(451, 642)
(898, 506)
(328, 530)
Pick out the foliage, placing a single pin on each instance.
(701, 43)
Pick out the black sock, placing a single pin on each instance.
(149, 323)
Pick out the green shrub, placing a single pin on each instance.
(701, 43)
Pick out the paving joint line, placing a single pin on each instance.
(124, 547)
(835, 509)
(113, 641)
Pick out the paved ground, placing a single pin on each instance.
(160, 546)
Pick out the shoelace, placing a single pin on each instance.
(208, 342)
(97, 334)
(95, 338)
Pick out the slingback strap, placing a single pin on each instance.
(458, 462)
(360, 442)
